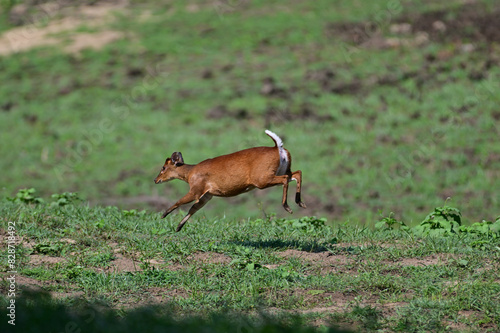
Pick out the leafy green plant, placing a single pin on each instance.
(133, 212)
(290, 274)
(308, 224)
(442, 221)
(64, 199)
(248, 260)
(27, 196)
(101, 259)
(389, 222)
(246, 263)
(159, 232)
(462, 263)
(368, 315)
(486, 228)
(73, 271)
(48, 248)
(100, 224)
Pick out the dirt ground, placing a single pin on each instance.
(58, 23)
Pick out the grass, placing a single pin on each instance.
(407, 134)
(384, 125)
(347, 276)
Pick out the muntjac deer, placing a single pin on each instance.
(232, 174)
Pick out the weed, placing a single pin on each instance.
(134, 212)
(48, 248)
(368, 315)
(66, 198)
(487, 228)
(442, 221)
(26, 196)
(390, 222)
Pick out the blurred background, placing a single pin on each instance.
(385, 105)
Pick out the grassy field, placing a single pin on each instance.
(389, 108)
(376, 118)
(391, 278)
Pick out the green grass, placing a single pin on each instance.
(348, 276)
(102, 122)
(383, 135)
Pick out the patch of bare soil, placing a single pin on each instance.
(338, 302)
(123, 264)
(471, 22)
(418, 262)
(158, 295)
(210, 258)
(24, 282)
(201, 258)
(463, 28)
(38, 260)
(55, 23)
(325, 261)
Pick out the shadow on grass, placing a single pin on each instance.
(280, 244)
(39, 312)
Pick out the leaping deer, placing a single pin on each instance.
(232, 174)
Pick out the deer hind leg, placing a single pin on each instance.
(297, 176)
(279, 180)
(197, 206)
(285, 195)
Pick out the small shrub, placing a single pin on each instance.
(442, 221)
(248, 260)
(486, 228)
(133, 212)
(51, 249)
(389, 223)
(64, 199)
(26, 196)
(308, 224)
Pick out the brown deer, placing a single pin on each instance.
(232, 174)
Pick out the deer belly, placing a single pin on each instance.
(232, 191)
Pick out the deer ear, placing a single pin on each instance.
(177, 159)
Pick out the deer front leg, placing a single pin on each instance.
(182, 201)
(197, 206)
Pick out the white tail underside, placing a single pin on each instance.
(284, 162)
